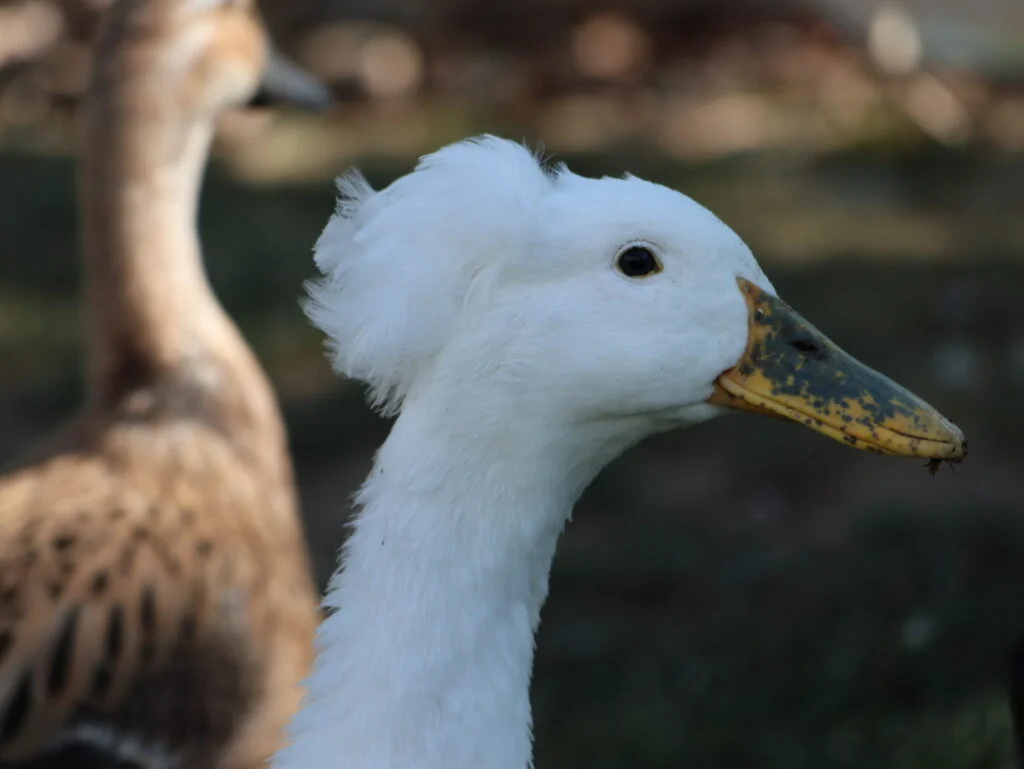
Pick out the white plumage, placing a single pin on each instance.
(479, 297)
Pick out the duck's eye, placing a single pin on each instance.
(638, 262)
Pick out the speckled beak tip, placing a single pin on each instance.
(792, 370)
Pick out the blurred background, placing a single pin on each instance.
(747, 593)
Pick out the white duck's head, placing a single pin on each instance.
(576, 300)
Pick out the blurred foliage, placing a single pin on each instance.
(743, 593)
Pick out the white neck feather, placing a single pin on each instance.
(425, 662)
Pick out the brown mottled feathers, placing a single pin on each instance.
(154, 586)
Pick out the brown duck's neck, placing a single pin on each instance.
(155, 324)
(149, 303)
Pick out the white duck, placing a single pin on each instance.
(528, 326)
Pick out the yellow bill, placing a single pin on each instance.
(792, 370)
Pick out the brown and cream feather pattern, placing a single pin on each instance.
(156, 603)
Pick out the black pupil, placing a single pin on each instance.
(637, 261)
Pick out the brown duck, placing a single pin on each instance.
(156, 603)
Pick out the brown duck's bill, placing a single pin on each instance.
(792, 370)
(284, 82)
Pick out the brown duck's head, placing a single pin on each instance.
(201, 56)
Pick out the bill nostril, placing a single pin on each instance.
(808, 348)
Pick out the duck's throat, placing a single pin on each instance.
(148, 300)
(425, 661)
